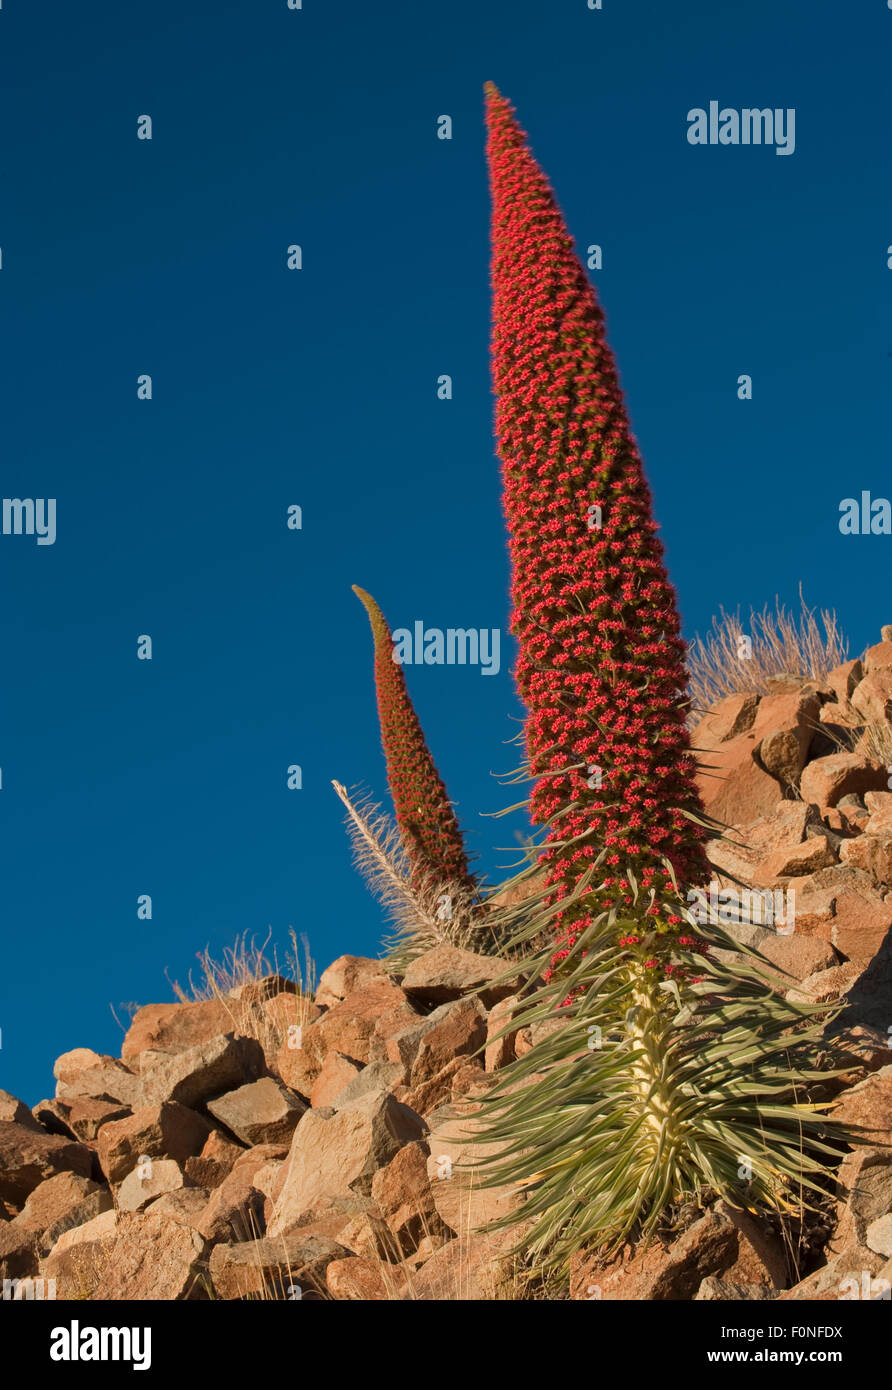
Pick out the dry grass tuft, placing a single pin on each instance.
(246, 963)
(737, 658)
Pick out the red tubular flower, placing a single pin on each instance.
(601, 664)
(424, 814)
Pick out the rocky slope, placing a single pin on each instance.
(260, 1145)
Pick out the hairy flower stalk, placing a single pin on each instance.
(601, 663)
(427, 823)
(669, 1072)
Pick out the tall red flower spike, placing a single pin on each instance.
(424, 814)
(601, 664)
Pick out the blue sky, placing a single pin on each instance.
(318, 388)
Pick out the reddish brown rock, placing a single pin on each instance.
(469, 1079)
(796, 861)
(28, 1158)
(262, 1112)
(865, 1046)
(51, 1116)
(708, 1247)
(446, 973)
(360, 1279)
(814, 911)
(828, 779)
(843, 679)
(760, 1259)
(357, 1028)
(83, 1074)
(872, 697)
(156, 1131)
(868, 1106)
(786, 723)
(79, 1255)
(360, 1025)
(727, 719)
(60, 1203)
(796, 955)
(336, 1153)
(500, 1036)
(864, 1193)
(298, 1066)
(19, 1251)
(215, 1162)
(337, 1071)
(841, 716)
(269, 1179)
(184, 1204)
(454, 1153)
(860, 924)
(72, 1064)
(856, 819)
(456, 1029)
(476, 1268)
(235, 1211)
(428, 1095)
(151, 1178)
(346, 975)
(402, 1191)
(825, 985)
(784, 826)
(873, 853)
(879, 809)
(175, 1027)
(734, 788)
(149, 1257)
(81, 1119)
(376, 1078)
(15, 1111)
(197, 1074)
(290, 1268)
(733, 861)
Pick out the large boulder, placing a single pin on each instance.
(169, 1130)
(447, 972)
(83, 1073)
(15, 1111)
(155, 1177)
(338, 1152)
(454, 1152)
(402, 1191)
(80, 1118)
(236, 1209)
(725, 1242)
(199, 1073)
(215, 1162)
(175, 1027)
(28, 1157)
(827, 780)
(60, 1203)
(289, 1268)
(261, 1112)
(456, 1029)
(336, 1073)
(346, 975)
(145, 1258)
